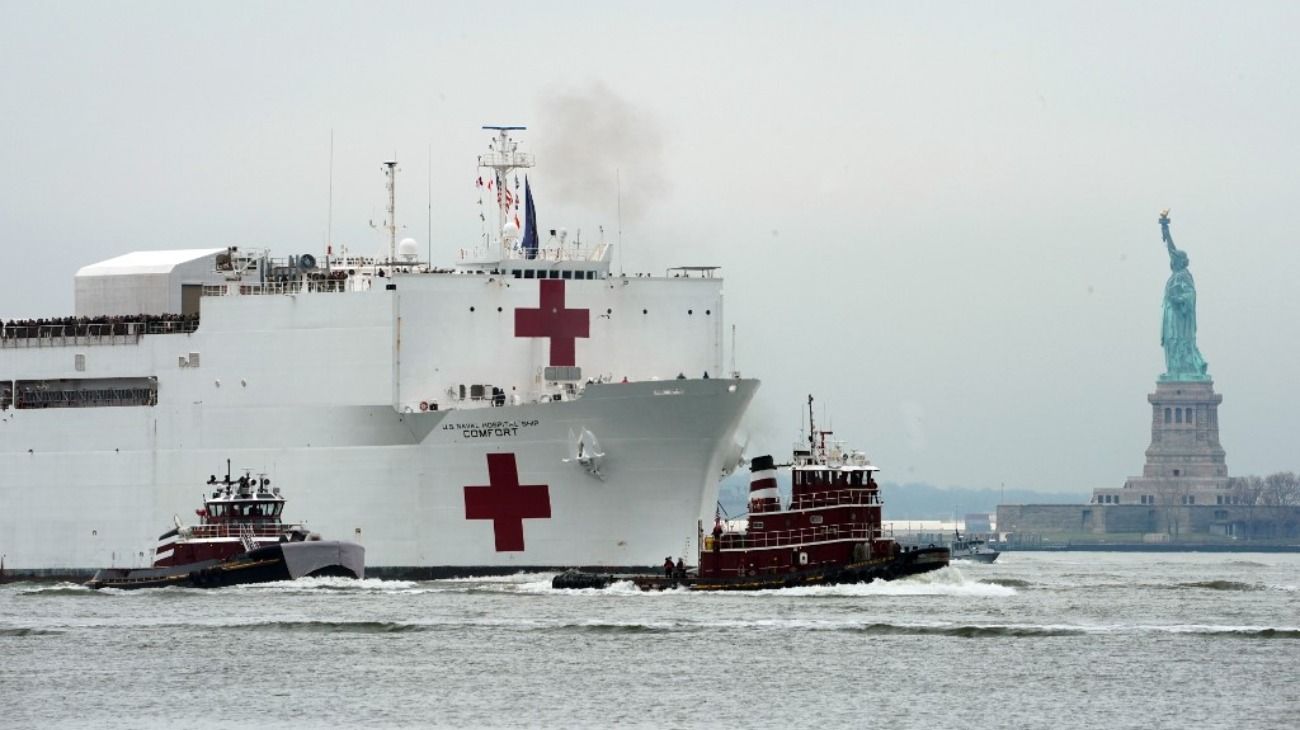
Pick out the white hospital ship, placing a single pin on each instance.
(524, 408)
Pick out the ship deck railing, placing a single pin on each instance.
(79, 333)
(237, 529)
(799, 536)
(296, 286)
(839, 497)
(834, 498)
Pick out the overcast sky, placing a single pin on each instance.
(938, 217)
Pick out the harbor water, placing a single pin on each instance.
(1062, 640)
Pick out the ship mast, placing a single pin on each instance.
(390, 172)
(503, 159)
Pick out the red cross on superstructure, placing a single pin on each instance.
(507, 502)
(552, 320)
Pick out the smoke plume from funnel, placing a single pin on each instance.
(588, 137)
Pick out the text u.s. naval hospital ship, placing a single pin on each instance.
(508, 412)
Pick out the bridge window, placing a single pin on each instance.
(528, 273)
(566, 274)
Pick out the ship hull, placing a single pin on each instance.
(89, 487)
(284, 561)
(912, 562)
(984, 557)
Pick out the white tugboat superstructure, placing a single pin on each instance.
(452, 420)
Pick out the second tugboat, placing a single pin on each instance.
(829, 533)
(239, 539)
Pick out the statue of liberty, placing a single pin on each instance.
(1183, 360)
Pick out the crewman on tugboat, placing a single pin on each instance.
(668, 568)
(679, 574)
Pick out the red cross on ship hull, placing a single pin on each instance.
(507, 502)
(551, 319)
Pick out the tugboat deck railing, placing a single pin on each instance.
(836, 498)
(796, 537)
(862, 496)
(236, 530)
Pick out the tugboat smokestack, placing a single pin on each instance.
(763, 493)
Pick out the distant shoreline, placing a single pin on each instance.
(1149, 548)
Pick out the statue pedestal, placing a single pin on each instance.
(1185, 462)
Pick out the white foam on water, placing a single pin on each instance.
(943, 582)
(328, 584)
(508, 579)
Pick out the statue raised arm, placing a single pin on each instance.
(1183, 360)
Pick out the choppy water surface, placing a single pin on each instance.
(1035, 640)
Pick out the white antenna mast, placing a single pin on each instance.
(390, 172)
(329, 218)
(618, 185)
(429, 232)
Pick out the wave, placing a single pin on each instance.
(1008, 582)
(56, 589)
(329, 627)
(619, 628)
(331, 584)
(971, 631)
(1213, 585)
(28, 632)
(943, 582)
(1233, 632)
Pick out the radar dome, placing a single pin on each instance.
(408, 249)
(510, 232)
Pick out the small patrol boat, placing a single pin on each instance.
(829, 533)
(972, 549)
(240, 539)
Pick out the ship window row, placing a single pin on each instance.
(834, 478)
(551, 274)
(79, 393)
(255, 509)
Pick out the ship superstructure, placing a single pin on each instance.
(453, 419)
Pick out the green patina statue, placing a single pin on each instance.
(1183, 361)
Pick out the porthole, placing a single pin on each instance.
(707, 312)
(645, 311)
(609, 311)
(690, 311)
(471, 309)
(498, 309)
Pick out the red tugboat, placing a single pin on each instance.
(239, 539)
(829, 533)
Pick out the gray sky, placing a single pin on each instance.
(939, 217)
